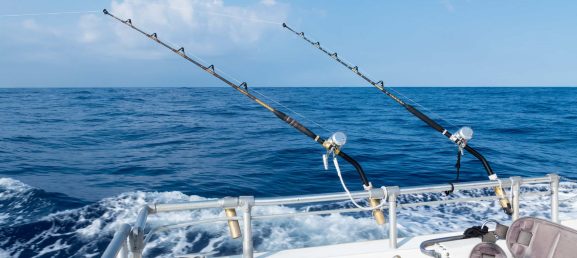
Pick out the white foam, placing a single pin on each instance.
(5, 254)
(3, 218)
(52, 248)
(10, 187)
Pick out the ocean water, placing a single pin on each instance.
(76, 163)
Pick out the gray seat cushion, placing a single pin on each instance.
(537, 238)
(487, 250)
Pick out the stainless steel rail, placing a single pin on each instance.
(133, 239)
(117, 247)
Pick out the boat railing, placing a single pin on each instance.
(131, 239)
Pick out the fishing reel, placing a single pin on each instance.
(333, 145)
(461, 137)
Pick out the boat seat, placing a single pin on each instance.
(538, 238)
(532, 238)
(487, 250)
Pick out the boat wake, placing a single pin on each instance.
(35, 223)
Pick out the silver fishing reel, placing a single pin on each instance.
(337, 140)
(462, 136)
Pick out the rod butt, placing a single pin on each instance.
(377, 213)
(503, 201)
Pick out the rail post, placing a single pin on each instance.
(393, 193)
(516, 182)
(554, 197)
(246, 203)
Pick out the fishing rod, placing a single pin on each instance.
(332, 145)
(461, 137)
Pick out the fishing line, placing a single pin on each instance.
(239, 17)
(332, 145)
(418, 104)
(344, 185)
(328, 49)
(205, 63)
(264, 96)
(258, 92)
(389, 87)
(244, 18)
(460, 138)
(43, 14)
(275, 101)
(252, 89)
(328, 144)
(295, 112)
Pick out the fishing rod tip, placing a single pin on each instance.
(105, 11)
(284, 25)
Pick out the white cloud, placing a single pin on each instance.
(88, 25)
(448, 5)
(30, 24)
(268, 2)
(40, 29)
(201, 26)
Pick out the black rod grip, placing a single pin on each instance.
(294, 123)
(424, 118)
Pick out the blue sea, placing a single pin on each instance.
(76, 163)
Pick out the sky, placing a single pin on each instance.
(70, 43)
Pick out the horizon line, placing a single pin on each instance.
(295, 86)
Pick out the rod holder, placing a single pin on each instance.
(377, 213)
(233, 225)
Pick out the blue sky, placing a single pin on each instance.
(404, 43)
